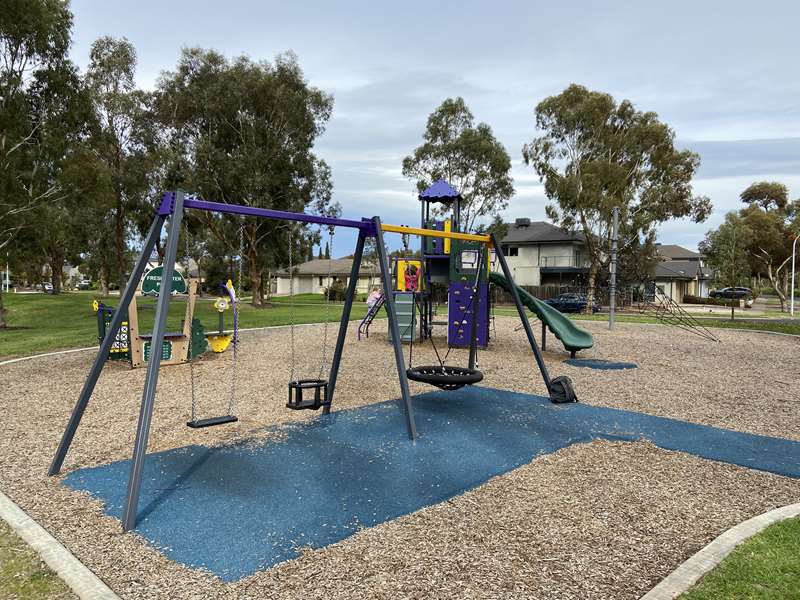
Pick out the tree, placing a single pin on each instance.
(249, 129)
(726, 250)
(768, 215)
(123, 140)
(594, 154)
(36, 91)
(468, 156)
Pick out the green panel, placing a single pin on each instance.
(463, 259)
(406, 311)
(199, 343)
(166, 351)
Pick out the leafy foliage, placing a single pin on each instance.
(248, 129)
(468, 156)
(595, 154)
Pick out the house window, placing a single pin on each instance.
(320, 280)
(513, 251)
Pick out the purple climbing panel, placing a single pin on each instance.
(460, 312)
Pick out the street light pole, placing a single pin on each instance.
(791, 302)
(612, 288)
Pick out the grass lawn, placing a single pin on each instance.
(23, 575)
(765, 567)
(721, 323)
(43, 322)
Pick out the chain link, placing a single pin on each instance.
(187, 258)
(291, 306)
(237, 294)
(327, 306)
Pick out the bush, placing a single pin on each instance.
(711, 301)
(337, 291)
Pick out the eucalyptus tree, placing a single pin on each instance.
(40, 123)
(772, 219)
(594, 154)
(124, 138)
(468, 156)
(248, 129)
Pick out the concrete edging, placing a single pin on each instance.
(75, 574)
(693, 569)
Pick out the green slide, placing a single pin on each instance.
(573, 337)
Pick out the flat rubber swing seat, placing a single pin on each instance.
(443, 377)
(200, 423)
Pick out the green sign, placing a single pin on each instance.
(151, 284)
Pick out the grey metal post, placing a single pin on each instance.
(151, 379)
(345, 322)
(544, 337)
(102, 354)
(386, 276)
(521, 310)
(475, 304)
(612, 286)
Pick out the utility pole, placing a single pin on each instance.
(791, 303)
(612, 268)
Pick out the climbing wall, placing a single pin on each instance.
(461, 310)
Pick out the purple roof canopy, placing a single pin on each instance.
(440, 191)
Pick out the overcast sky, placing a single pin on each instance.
(723, 75)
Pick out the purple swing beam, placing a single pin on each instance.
(168, 203)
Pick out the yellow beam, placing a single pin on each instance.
(451, 235)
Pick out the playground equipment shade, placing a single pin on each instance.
(238, 509)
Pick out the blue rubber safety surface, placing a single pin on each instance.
(239, 509)
(599, 364)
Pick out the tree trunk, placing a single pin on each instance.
(590, 285)
(3, 323)
(255, 277)
(119, 240)
(104, 278)
(774, 279)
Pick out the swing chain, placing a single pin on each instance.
(187, 257)
(237, 295)
(327, 305)
(291, 305)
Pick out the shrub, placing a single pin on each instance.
(336, 292)
(687, 299)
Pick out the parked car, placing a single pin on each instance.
(732, 293)
(571, 303)
(84, 284)
(47, 287)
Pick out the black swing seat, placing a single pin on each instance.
(300, 401)
(443, 377)
(200, 423)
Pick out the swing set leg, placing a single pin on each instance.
(348, 305)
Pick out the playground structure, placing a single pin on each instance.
(655, 303)
(178, 347)
(173, 205)
(453, 262)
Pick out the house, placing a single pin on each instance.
(539, 253)
(314, 276)
(681, 272)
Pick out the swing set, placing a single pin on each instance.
(302, 393)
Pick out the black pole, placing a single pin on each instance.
(102, 354)
(386, 276)
(521, 310)
(544, 337)
(345, 322)
(151, 379)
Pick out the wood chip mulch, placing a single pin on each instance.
(599, 520)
